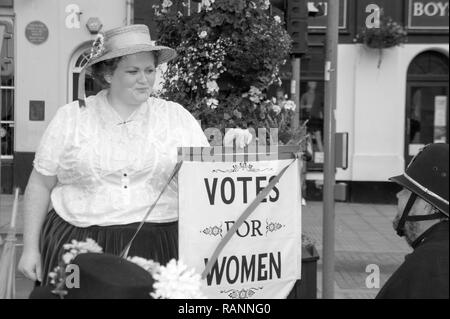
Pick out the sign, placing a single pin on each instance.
(320, 22)
(440, 110)
(440, 119)
(263, 258)
(94, 25)
(428, 14)
(369, 12)
(37, 111)
(36, 32)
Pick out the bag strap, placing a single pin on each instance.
(124, 253)
(247, 212)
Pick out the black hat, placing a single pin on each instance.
(427, 176)
(104, 276)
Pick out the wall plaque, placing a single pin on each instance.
(36, 32)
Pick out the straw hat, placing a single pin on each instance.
(126, 40)
(119, 42)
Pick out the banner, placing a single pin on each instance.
(263, 258)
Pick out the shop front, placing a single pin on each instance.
(391, 101)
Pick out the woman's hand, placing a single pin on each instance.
(30, 265)
(36, 203)
(242, 137)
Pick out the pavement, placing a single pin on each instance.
(364, 241)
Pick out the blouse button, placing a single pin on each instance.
(125, 186)
(125, 174)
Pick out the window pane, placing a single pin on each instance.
(427, 117)
(6, 137)
(429, 63)
(312, 109)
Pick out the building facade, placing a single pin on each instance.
(44, 42)
(390, 102)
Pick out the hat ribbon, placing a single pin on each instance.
(127, 40)
(425, 190)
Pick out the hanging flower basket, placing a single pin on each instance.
(389, 34)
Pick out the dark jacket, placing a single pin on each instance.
(424, 273)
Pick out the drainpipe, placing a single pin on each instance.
(129, 11)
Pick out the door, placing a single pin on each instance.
(426, 119)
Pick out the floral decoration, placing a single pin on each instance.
(173, 281)
(229, 54)
(98, 46)
(389, 34)
(241, 293)
(176, 281)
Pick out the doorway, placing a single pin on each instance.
(91, 86)
(426, 102)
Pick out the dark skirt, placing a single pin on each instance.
(155, 241)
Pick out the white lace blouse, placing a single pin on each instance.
(110, 172)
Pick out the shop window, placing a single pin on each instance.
(7, 90)
(312, 92)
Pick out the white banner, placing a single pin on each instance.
(263, 258)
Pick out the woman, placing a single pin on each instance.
(102, 162)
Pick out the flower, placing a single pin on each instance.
(73, 249)
(265, 5)
(68, 257)
(255, 94)
(77, 247)
(277, 19)
(212, 103)
(203, 34)
(167, 4)
(276, 108)
(207, 4)
(212, 87)
(176, 281)
(98, 46)
(289, 105)
(149, 265)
